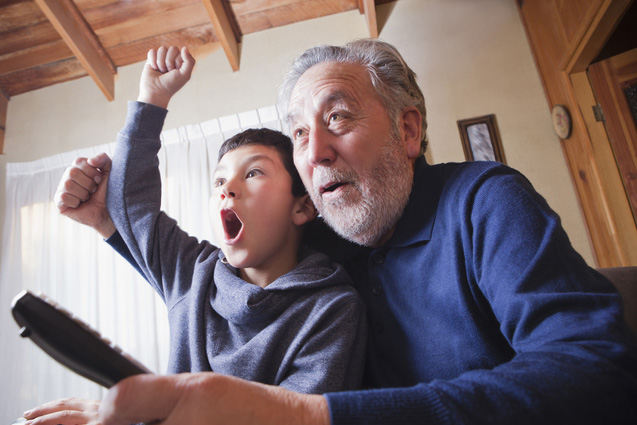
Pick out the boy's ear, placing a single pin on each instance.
(304, 210)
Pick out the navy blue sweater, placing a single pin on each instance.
(481, 312)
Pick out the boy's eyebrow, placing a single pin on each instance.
(255, 157)
(247, 160)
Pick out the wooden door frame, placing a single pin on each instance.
(612, 208)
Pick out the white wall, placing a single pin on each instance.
(471, 57)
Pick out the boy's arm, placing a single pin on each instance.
(164, 252)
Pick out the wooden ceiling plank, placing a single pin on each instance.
(27, 37)
(221, 21)
(67, 19)
(135, 51)
(370, 16)
(284, 14)
(152, 25)
(36, 56)
(38, 77)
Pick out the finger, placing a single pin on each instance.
(151, 59)
(67, 417)
(102, 162)
(188, 61)
(63, 405)
(161, 59)
(84, 167)
(68, 189)
(172, 55)
(63, 201)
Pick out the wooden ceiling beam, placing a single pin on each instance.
(369, 8)
(223, 22)
(69, 22)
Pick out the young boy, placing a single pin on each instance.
(258, 307)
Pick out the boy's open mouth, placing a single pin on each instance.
(231, 224)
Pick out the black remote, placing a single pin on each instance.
(72, 342)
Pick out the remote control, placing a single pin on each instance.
(72, 342)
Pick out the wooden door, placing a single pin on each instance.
(614, 83)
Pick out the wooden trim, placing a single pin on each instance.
(4, 106)
(597, 34)
(222, 23)
(69, 22)
(606, 77)
(370, 16)
(361, 6)
(604, 201)
(564, 38)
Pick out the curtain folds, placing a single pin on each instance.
(70, 263)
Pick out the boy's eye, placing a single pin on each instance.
(253, 173)
(219, 182)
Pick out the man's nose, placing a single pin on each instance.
(321, 147)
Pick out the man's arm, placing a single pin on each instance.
(208, 398)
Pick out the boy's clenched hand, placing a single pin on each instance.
(165, 72)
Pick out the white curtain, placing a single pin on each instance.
(45, 252)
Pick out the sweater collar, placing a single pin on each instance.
(416, 224)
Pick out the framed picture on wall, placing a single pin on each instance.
(480, 139)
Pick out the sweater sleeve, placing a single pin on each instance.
(165, 254)
(117, 243)
(573, 360)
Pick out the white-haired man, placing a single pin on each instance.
(480, 310)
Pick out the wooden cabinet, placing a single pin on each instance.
(566, 36)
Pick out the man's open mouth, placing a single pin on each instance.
(331, 187)
(231, 224)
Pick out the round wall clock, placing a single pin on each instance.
(561, 121)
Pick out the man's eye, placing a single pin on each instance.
(336, 117)
(298, 133)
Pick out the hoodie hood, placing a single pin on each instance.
(243, 303)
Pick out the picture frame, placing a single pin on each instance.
(481, 139)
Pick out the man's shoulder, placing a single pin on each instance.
(467, 177)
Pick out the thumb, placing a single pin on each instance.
(101, 161)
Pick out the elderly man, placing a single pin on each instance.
(480, 309)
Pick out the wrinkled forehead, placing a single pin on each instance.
(327, 83)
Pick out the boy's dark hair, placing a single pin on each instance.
(267, 137)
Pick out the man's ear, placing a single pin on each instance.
(411, 126)
(304, 210)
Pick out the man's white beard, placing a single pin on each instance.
(376, 198)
